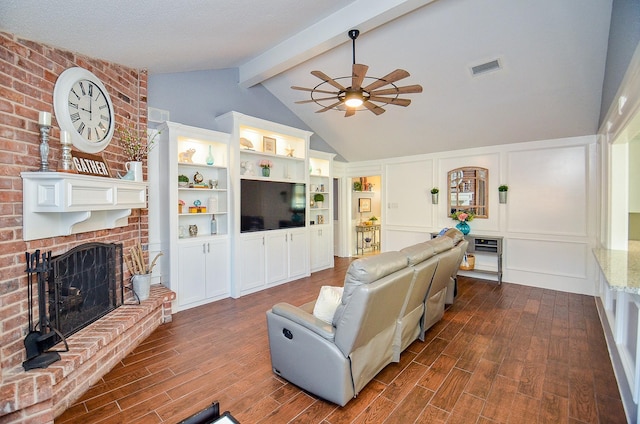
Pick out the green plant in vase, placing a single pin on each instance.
(318, 198)
(502, 193)
(434, 195)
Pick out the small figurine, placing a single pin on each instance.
(247, 144)
(248, 167)
(186, 157)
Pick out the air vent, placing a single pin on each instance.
(483, 68)
(157, 115)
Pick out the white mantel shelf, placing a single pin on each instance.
(61, 204)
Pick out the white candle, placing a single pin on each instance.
(64, 138)
(44, 119)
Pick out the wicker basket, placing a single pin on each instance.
(468, 262)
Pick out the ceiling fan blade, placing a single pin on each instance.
(373, 108)
(314, 90)
(324, 109)
(393, 101)
(301, 102)
(407, 89)
(394, 76)
(324, 77)
(350, 112)
(357, 75)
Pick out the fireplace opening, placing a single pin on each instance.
(74, 290)
(84, 284)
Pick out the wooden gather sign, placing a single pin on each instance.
(88, 164)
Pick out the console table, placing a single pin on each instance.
(490, 245)
(361, 231)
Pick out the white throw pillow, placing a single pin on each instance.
(327, 303)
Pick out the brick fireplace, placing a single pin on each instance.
(28, 72)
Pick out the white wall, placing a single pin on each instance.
(548, 223)
(634, 176)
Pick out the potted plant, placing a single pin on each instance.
(434, 195)
(136, 148)
(502, 193)
(318, 198)
(183, 180)
(140, 272)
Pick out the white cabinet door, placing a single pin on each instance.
(217, 268)
(191, 273)
(277, 256)
(251, 262)
(298, 248)
(320, 248)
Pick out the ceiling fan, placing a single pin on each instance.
(355, 95)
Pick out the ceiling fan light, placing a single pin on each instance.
(353, 99)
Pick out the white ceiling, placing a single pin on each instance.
(553, 54)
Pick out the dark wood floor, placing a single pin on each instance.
(502, 354)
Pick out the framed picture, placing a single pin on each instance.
(269, 145)
(364, 204)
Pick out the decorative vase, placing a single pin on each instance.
(141, 285)
(210, 157)
(434, 198)
(463, 227)
(266, 172)
(502, 195)
(134, 171)
(193, 230)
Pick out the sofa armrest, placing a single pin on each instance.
(305, 319)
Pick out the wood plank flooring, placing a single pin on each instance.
(501, 354)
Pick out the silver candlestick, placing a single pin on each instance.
(44, 120)
(44, 148)
(66, 162)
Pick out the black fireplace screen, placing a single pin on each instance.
(83, 285)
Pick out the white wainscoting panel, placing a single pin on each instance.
(567, 259)
(396, 239)
(548, 191)
(408, 193)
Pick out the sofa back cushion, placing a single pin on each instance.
(440, 244)
(418, 252)
(365, 271)
(454, 234)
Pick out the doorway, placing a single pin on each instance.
(366, 211)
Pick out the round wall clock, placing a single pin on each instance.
(84, 109)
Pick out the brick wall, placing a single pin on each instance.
(28, 72)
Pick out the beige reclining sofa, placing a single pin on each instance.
(388, 301)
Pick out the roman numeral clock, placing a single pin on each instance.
(83, 108)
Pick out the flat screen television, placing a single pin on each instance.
(271, 205)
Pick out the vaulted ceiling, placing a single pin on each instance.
(552, 55)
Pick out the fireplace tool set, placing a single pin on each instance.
(41, 337)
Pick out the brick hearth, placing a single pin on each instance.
(38, 396)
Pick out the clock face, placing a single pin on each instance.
(83, 108)
(89, 111)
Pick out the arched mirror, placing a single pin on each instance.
(468, 191)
